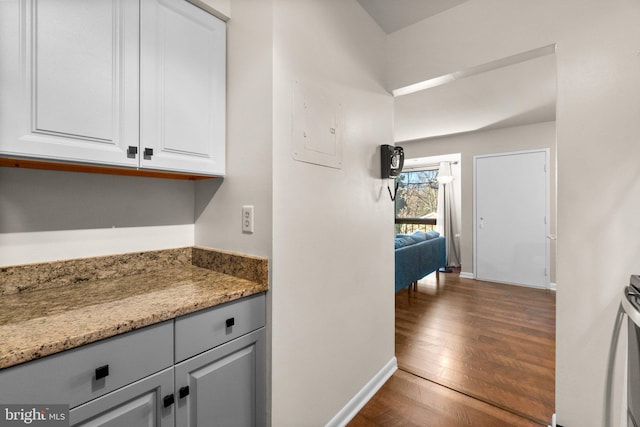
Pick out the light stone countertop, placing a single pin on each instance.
(63, 313)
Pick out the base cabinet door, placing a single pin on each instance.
(141, 404)
(224, 386)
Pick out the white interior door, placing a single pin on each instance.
(510, 218)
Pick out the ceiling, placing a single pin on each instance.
(393, 15)
(513, 91)
(517, 94)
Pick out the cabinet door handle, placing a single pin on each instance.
(183, 392)
(148, 152)
(168, 400)
(132, 151)
(102, 372)
(230, 322)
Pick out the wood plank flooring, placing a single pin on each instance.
(407, 401)
(469, 353)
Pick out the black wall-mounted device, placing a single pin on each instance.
(392, 160)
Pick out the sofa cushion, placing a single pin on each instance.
(432, 235)
(419, 236)
(402, 241)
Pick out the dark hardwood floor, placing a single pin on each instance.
(470, 353)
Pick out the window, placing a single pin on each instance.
(416, 201)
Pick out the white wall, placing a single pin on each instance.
(598, 110)
(330, 305)
(541, 135)
(54, 215)
(597, 124)
(328, 232)
(248, 179)
(333, 298)
(249, 145)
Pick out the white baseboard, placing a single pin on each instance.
(361, 398)
(552, 286)
(466, 275)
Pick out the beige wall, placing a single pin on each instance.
(536, 136)
(597, 124)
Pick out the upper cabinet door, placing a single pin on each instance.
(69, 78)
(182, 88)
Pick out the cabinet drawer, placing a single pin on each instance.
(208, 328)
(138, 404)
(70, 377)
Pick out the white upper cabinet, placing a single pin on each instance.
(100, 81)
(182, 86)
(69, 80)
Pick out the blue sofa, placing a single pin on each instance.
(417, 255)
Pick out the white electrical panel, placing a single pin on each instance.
(318, 126)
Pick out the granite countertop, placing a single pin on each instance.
(51, 307)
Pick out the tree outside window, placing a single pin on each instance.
(416, 201)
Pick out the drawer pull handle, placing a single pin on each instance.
(168, 400)
(183, 392)
(148, 152)
(102, 372)
(230, 322)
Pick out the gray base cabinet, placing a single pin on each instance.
(226, 385)
(203, 369)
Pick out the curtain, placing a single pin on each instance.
(447, 223)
